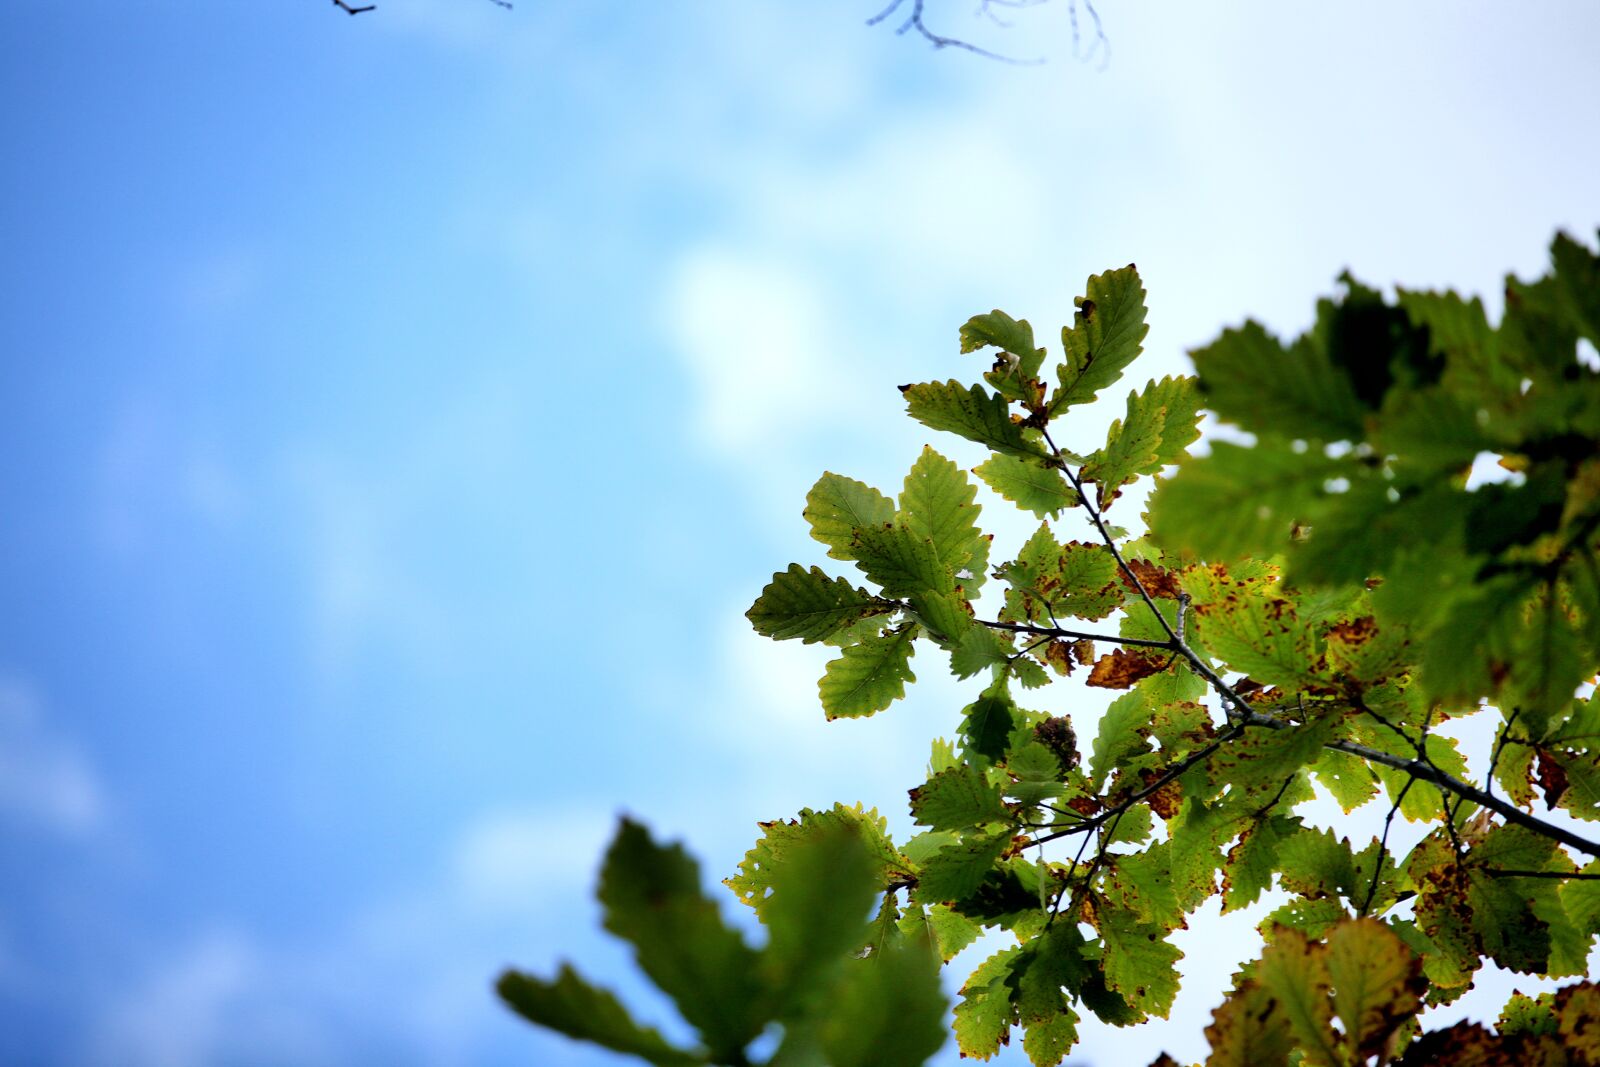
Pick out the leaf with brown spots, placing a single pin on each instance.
(1157, 581)
(1165, 801)
(1377, 983)
(1578, 1009)
(1059, 655)
(1249, 1030)
(1123, 668)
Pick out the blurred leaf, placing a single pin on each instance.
(573, 1007)
(651, 897)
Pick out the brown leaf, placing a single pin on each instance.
(1157, 581)
(1123, 668)
(1059, 655)
(1466, 1044)
(1086, 806)
(1056, 734)
(1166, 800)
(1552, 779)
(1084, 651)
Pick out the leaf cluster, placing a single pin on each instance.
(1410, 538)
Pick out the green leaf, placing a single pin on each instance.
(1241, 500)
(1047, 1041)
(1139, 962)
(1050, 963)
(836, 505)
(986, 727)
(1013, 336)
(956, 799)
(1260, 635)
(984, 1015)
(1315, 863)
(1297, 977)
(1124, 732)
(952, 931)
(1581, 898)
(651, 897)
(1142, 883)
(1178, 396)
(1577, 277)
(1107, 334)
(753, 885)
(1047, 578)
(1377, 983)
(810, 605)
(956, 871)
(901, 562)
(1130, 828)
(1433, 429)
(1247, 1030)
(1459, 330)
(1251, 379)
(980, 647)
(937, 504)
(887, 1012)
(1347, 777)
(870, 676)
(1257, 763)
(1547, 665)
(945, 618)
(1038, 771)
(1254, 860)
(1132, 445)
(816, 914)
(1030, 486)
(971, 412)
(573, 1007)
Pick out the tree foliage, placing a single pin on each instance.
(1302, 614)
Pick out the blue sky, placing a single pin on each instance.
(402, 411)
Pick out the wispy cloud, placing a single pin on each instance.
(46, 781)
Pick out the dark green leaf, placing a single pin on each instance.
(971, 412)
(810, 605)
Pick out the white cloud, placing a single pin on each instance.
(753, 336)
(219, 998)
(45, 780)
(515, 861)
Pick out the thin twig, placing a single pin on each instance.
(914, 22)
(1429, 773)
(1077, 635)
(1165, 777)
(1504, 872)
(1383, 846)
(1499, 747)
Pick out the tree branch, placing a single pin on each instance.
(1056, 631)
(914, 22)
(1429, 773)
(1421, 768)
